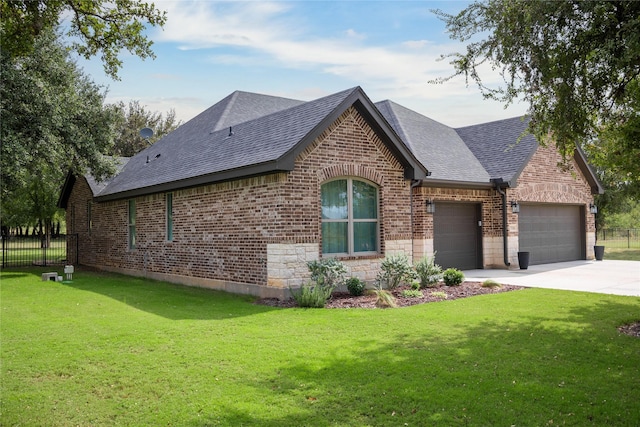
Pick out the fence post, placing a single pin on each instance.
(628, 238)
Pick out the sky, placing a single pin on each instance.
(302, 50)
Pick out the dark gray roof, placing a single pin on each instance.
(437, 146)
(240, 107)
(98, 186)
(503, 147)
(196, 153)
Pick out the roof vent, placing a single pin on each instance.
(230, 131)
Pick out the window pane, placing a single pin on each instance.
(132, 212)
(365, 201)
(365, 237)
(334, 237)
(132, 237)
(169, 216)
(334, 200)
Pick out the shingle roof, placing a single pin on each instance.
(247, 134)
(435, 145)
(240, 107)
(197, 153)
(501, 146)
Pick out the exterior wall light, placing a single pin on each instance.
(515, 207)
(593, 208)
(431, 206)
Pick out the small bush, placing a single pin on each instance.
(452, 277)
(412, 293)
(415, 285)
(311, 295)
(327, 272)
(384, 299)
(355, 286)
(490, 283)
(439, 294)
(394, 270)
(428, 271)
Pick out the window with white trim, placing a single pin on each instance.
(349, 217)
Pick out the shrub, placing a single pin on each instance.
(452, 277)
(415, 285)
(355, 286)
(327, 272)
(412, 293)
(394, 270)
(490, 283)
(439, 294)
(311, 295)
(384, 298)
(428, 271)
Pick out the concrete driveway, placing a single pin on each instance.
(606, 277)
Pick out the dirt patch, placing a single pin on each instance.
(439, 293)
(632, 329)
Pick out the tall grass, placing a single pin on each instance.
(112, 350)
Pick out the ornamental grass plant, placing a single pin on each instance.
(114, 350)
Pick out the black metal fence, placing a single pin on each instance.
(32, 250)
(619, 237)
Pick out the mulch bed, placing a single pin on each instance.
(464, 290)
(632, 329)
(345, 300)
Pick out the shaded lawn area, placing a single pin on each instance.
(622, 254)
(115, 350)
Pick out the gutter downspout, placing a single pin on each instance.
(505, 244)
(414, 184)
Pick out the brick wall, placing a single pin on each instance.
(542, 180)
(255, 231)
(548, 179)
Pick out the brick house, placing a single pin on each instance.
(242, 196)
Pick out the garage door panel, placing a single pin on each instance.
(456, 239)
(551, 233)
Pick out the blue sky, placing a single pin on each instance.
(301, 50)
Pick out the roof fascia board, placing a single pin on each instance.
(413, 169)
(587, 171)
(65, 192)
(514, 179)
(229, 175)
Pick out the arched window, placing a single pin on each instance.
(349, 217)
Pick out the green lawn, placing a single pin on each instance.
(623, 254)
(111, 350)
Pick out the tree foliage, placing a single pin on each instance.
(53, 120)
(97, 27)
(576, 63)
(132, 118)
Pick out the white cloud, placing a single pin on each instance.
(275, 34)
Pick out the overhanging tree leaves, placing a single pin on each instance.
(132, 118)
(575, 63)
(98, 27)
(53, 120)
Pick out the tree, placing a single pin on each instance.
(132, 118)
(53, 119)
(98, 27)
(576, 63)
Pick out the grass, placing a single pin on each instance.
(112, 350)
(623, 254)
(19, 251)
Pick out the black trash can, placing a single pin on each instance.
(523, 260)
(599, 252)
